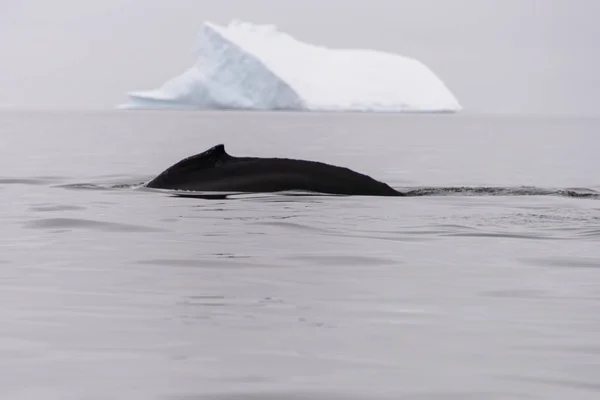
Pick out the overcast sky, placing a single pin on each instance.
(497, 56)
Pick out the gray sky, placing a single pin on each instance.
(497, 56)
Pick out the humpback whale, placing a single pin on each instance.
(216, 171)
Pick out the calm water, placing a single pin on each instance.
(109, 291)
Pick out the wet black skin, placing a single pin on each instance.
(216, 171)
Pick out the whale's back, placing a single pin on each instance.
(215, 170)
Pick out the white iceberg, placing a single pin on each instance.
(257, 67)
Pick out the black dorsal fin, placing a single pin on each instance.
(211, 158)
(207, 159)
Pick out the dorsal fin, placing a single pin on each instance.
(209, 159)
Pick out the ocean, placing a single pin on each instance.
(484, 284)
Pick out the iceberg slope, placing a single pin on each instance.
(256, 67)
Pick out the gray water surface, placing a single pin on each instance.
(111, 291)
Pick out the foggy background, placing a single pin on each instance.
(496, 56)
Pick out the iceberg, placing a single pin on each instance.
(257, 67)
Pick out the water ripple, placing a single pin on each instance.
(42, 180)
(566, 262)
(77, 223)
(56, 207)
(583, 193)
(502, 191)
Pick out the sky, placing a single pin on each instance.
(496, 56)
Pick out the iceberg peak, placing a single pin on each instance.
(258, 67)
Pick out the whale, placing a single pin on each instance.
(216, 171)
